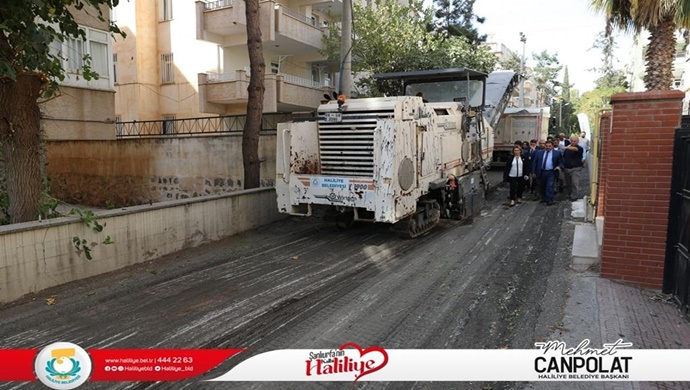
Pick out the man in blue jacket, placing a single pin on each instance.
(546, 164)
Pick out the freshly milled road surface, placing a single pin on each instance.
(304, 284)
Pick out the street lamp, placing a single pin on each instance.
(523, 39)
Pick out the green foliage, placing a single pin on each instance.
(28, 27)
(610, 82)
(511, 62)
(662, 18)
(456, 18)
(592, 102)
(391, 37)
(611, 78)
(89, 219)
(48, 206)
(82, 245)
(545, 75)
(4, 206)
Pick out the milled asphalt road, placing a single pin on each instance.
(497, 282)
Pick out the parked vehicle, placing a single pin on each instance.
(405, 160)
(519, 124)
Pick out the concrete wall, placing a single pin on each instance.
(638, 186)
(141, 171)
(38, 255)
(80, 114)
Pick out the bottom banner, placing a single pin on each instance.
(553, 361)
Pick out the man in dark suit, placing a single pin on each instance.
(546, 164)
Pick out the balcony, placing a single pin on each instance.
(296, 33)
(223, 18)
(284, 93)
(284, 30)
(298, 94)
(334, 7)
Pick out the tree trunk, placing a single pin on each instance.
(660, 55)
(20, 137)
(252, 128)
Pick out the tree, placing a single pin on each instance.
(257, 71)
(567, 111)
(610, 77)
(661, 18)
(511, 62)
(30, 70)
(456, 18)
(610, 82)
(391, 37)
(545, 74)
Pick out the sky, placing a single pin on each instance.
(566, 27)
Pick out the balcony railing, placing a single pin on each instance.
(211, 5)
(214, 77)
(196, 126)
(222, 77)
(299, 16)
(300, 81)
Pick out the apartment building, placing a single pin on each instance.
(84, 109)
(184, 59)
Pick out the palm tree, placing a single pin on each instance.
(661, 18)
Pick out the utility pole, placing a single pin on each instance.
(523, 39)
(346, 50)
(560, 113)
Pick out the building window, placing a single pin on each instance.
(167, 69)
(275, 67)
(76, 53)
(95, 46)
(316, 74)
(115, 68)
(169, 124)
(677, 83)
(166, 10)
(98, 50)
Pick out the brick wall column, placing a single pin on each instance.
(604, 140)
(638, 185)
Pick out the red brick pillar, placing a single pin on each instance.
(638, 185)
(604, 140)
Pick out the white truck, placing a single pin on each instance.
(399, 160)
(519, 124)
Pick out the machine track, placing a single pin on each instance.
(427, 216)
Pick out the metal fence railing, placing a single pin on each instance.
(299, 16)
(197, 126)
(214, 77)
(211, 5)
(301, 81)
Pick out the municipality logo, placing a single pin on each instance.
(63, 366)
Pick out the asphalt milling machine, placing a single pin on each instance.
(405, 160)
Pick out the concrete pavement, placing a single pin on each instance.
(604, 311)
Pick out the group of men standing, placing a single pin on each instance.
(548, 164)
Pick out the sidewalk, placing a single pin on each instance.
(604, 311)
